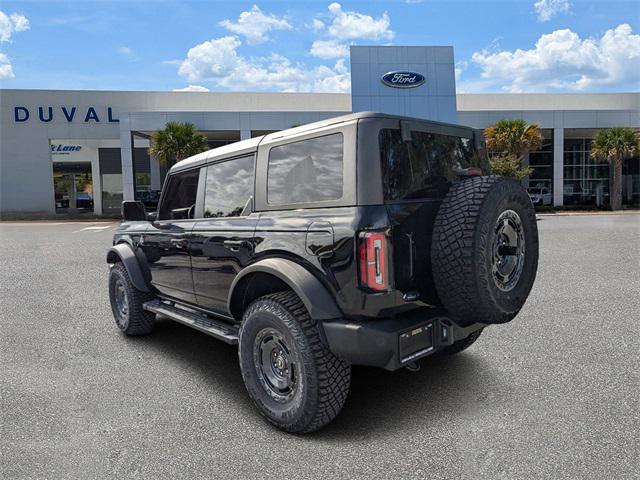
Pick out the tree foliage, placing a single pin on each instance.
(510, 141)
(509, 166)
(513, 137)
(176, 142)
(615, 145)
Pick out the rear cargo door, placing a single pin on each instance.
(417, 173)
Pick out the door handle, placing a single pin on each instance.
(234, 245)
(178, 242)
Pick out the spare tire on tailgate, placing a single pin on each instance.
(484, 250)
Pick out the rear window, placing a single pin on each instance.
(423, 167)
(306, 171)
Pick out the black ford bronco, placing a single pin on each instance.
(367, 239)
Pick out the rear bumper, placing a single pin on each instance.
(392, 343)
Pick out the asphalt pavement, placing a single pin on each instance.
(554, 394)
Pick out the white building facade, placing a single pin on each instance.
(69, 151)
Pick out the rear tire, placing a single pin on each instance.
(484, 250)
(295, 381)
(126, 303)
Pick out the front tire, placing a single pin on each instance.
(295, 381)
(126, 303)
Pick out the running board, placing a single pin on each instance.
(216, 328)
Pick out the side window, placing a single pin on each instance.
(306, 171)
(228, 188)
(180, 196)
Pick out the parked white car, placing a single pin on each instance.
(540, 196)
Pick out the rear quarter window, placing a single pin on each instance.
(310, 170)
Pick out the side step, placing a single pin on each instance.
(216, 328)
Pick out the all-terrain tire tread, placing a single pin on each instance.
(460, 248)
(333, 373)
(141, 321)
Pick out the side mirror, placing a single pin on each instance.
(152, 216)
(133, 211)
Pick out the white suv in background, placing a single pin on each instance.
(540, 196)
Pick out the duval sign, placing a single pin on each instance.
(402, 79)
(47, 114)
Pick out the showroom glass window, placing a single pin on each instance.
(229, 187)
(586, 180)
(423, 167)
(306, 171)
(179, 199)
(541, 161)
(111, 179)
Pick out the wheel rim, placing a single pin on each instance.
(508, 250)
(122, 301)
(275, 365)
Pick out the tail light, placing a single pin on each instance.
(373, 253)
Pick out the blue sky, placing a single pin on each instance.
(500, 46)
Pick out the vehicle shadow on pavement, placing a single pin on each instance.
(379, 401)
(382, 402)
(215, 362)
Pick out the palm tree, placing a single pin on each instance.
(615, 145)
(176, 142)
(511, 141)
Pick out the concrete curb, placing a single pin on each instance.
(568, 214)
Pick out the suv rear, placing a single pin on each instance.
(367, 239)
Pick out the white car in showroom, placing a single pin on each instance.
(540, 195)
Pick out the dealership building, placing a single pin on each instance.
(67, 151)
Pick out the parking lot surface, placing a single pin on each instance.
(554, 394)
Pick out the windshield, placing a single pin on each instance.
(423, 167)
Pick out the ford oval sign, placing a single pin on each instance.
(401, 79)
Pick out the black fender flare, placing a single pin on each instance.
(136, 268)
(315, 296)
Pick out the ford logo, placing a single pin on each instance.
(401, 79)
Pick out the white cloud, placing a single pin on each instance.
(10, 24)
(211, 59)
(192, 88)
(218, 61)
(547, 9)
(127, 51)
(460, 67)
(328, 49)
(561, 60)
(351, 25)
(345, 25)
(317, 25)
(6, 70)
(255, 24)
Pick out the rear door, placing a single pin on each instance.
(222, 242)
(166, 242)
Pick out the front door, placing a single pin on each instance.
(222, 242)
(166, 242)
(73, 187)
